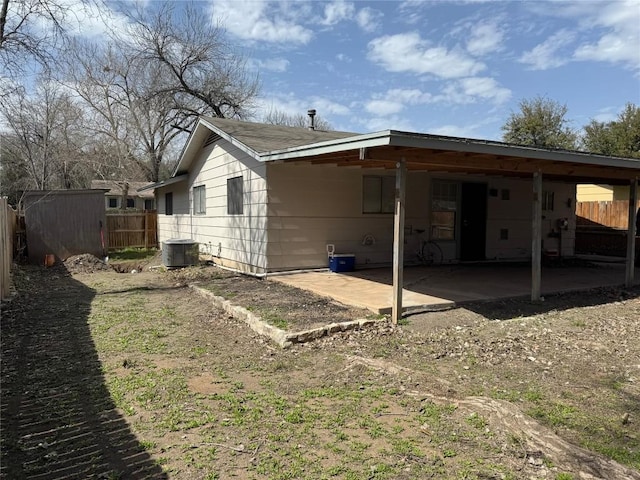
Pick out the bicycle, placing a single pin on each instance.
(429, 252)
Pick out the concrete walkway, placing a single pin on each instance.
(442, 286)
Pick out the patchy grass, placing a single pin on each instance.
(132, 254)
(212, 400)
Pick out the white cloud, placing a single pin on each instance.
(395, 100)
(343, 58)
(485, 38)
(272, 64)
(262, 20)
(384, 107)
(470, 90)
(611, 29)
(369, 19)
(408, 52)
(337, 11)
(545, 55)
(377, 124)
(325, 106)
(85, 19)
(293, 105)
(462, 91)
(621, 43)
(454, 131)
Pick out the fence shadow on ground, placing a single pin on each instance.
(58, 420)
(506, 309)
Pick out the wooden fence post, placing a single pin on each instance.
(146, 230)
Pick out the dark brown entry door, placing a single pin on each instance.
(473, 217)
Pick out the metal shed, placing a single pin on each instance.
(65, 223)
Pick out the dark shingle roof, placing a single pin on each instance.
(262, 138)
(115, 187)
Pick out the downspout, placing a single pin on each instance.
(631, 233)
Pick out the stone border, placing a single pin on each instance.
(281, 337)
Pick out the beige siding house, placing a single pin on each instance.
(264, 198)
(602, 193)
(135, 199)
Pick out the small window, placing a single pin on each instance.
(504, 234)
(547, 200)
(113, 203)
(199, 200)
(148, 204)
(168, 203)
(234, 196)
(131, 203)
(378, 194)
(506, 194)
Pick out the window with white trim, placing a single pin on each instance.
(199, 200)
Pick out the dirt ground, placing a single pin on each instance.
(120, 375)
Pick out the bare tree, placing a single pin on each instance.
(199, 68)
(278, 117)
(126, 108)
(30, 30)
(43, 138)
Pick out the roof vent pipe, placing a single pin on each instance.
(312, 119)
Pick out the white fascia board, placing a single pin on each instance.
(164, 183)
(190, 145)
(368, 140)
(406, 139)
(233, 141)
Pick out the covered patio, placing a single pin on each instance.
(407, 152)
(429, 287)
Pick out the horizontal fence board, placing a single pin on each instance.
(133, 230)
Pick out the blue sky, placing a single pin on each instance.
(444, 67)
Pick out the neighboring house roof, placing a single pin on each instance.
(115, 188)
(265, 143)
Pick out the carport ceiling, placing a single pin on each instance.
(456, 155)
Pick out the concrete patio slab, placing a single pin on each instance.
(446, 286)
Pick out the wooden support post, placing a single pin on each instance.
(398, 241)
(631, 233)
(536, 238)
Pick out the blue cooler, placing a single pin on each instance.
(342, 262)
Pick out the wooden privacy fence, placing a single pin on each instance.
(138, 230)
(7, 234)
(614, 214)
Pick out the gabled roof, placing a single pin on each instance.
(420, 151)
(262, 138)
(114, 187)
(255, 139)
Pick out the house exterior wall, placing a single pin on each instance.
(237, 241)
(291, 212)
(311, 206)
(515, 215)
(595, 193)
(138, 202)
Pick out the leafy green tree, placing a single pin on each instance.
(620, 137)
(540, 122)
